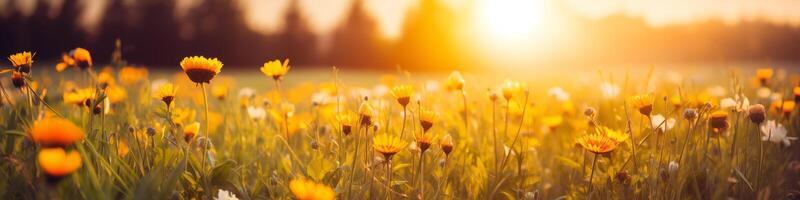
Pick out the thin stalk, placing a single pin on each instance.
(761, 160)
(591, 175)
(494, 138)
(205, 107)
(686, 141)
(421, 175)
(633, 139)
(389, 180)
(353, 163)
(466, 111)
(403, 128)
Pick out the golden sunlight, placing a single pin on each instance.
(509, 20)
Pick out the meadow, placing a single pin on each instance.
(85, 130)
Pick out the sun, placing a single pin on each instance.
(509, 19)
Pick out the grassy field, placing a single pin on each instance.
(648, 133)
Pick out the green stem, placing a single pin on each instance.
(591, 176)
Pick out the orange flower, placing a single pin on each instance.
(200, 69)
(597, 143)
(55, 132)
(66, 62)
(57, 163)
(275, 69)
(132, 75)
(424, 140)
(82, 57)
(644, 103)
(403, 94)
(426, 119)
(446, 144)
(22, 61)
(763, 75)
(308, 190)
(455, 81)
(388, 145)
(166, 93)
(190, 131)
(510, 89)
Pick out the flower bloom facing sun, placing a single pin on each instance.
(424, 140)
(190, 131)
(402, 93)
(426, 119)
(200, 69)
(346, 122)
(55, 132)
(366, 112)
(275, 69)
(66, 62)
(644, 103)
(617, 136)
(308, 190)
(82, 57)
(22, 61)
(166, 93)
(455, 82)
(388, 145)
(446, 144)
(57, 163)
(597, 143)
(763, 75)
(510, 89)
(79, 97)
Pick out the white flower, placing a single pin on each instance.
(225, 195)
(658, 122)
(763, 92)
(247, 92)
(735, 104)
(672, 167)
(727, 103)
(775, 132)
(558, 93)
(609, 90)
(256, 113)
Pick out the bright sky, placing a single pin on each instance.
(324, 15)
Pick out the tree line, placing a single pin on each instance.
(153, 35)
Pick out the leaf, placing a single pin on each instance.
(222, 172)
(318, 167)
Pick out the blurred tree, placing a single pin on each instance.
(428, 38)
(154, 40)
(296, 41)
(119, 22)
(357, 41)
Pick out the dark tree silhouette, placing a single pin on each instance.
(357, 41)
(296, 41)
